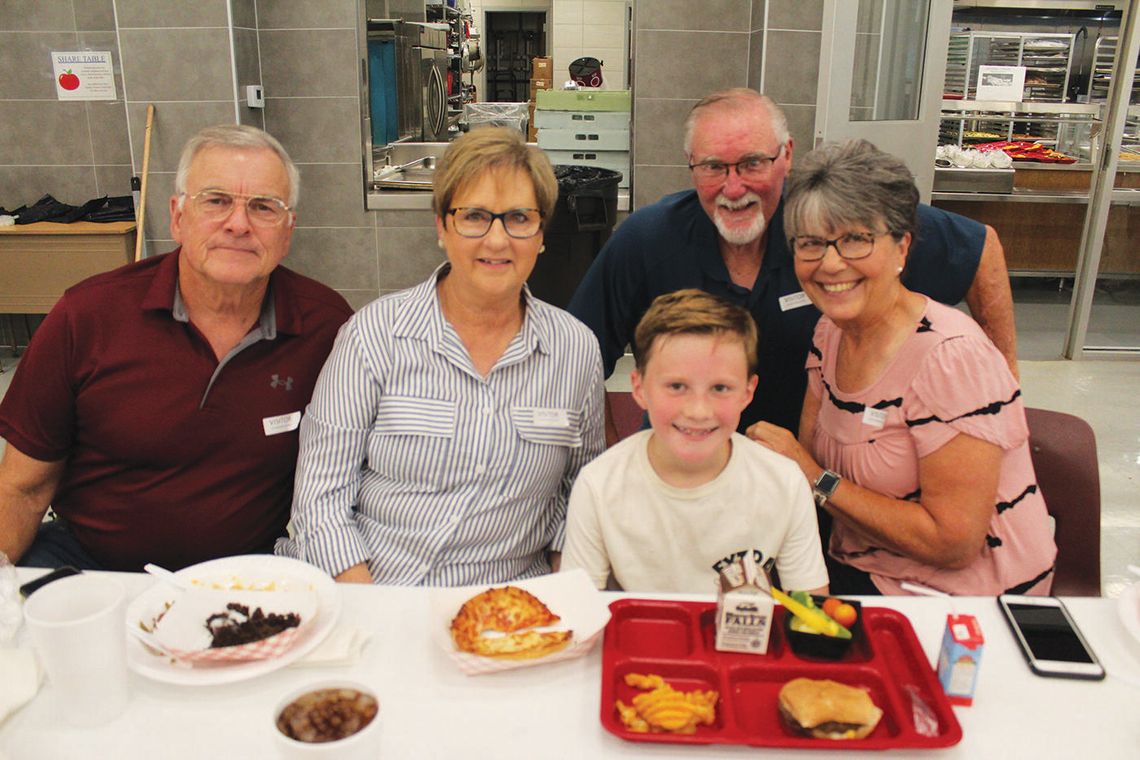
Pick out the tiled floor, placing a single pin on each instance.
(1102, 392)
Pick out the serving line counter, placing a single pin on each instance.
(429, 709)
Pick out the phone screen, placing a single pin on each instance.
(1049, 634)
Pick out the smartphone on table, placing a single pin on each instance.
(1049, 637)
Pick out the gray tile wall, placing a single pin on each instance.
(308, 56)
(73, 150)
(680, 56)
(158, 38)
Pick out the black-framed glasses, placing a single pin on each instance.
(475, 222)
(752, 166)
(262, 210)
(851, 246)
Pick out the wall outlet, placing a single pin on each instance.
(254, 96)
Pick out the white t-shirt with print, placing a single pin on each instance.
(625, 520)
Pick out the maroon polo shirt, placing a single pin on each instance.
(168, 456)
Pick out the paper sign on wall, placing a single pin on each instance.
(1000, 82)
(86, 75)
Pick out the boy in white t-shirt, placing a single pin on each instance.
(658, 510)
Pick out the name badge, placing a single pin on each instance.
(794, 301)
(551, 418)
(875, 418)
(282, 423)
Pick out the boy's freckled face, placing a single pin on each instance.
(694, 388)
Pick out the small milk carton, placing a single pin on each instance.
(743, 606)
(960, 658)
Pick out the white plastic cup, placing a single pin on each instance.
(363, 745)
(77, 628)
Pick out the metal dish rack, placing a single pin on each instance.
(1046, 58)
(1104, 58)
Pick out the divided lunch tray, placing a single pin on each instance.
(676, 641)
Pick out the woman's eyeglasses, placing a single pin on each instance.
(853, 245)
(474, 222)
(262, 210)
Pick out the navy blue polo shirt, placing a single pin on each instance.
(673, 244)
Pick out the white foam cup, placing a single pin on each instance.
(77, 628)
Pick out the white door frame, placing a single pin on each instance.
(915, 140)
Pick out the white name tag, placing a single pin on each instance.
(551, 418)
(794, 301)
(875, 418)
(282, 423)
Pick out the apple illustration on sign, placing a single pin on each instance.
(68, 81)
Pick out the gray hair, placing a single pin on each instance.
(235, 136)
(739, 98)
(850, 183)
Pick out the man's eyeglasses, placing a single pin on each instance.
(262, 210)
(753, 166)
(474, 222)
(852, 246)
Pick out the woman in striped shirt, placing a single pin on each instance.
(451, 418)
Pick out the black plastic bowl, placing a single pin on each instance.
(820, 646)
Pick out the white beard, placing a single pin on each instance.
(740, 235)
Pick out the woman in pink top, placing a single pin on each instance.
(913, 432)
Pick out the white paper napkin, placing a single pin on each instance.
(342, 646)
(21, 676)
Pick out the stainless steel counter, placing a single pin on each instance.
(1120, 197)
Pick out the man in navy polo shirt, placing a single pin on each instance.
(726, 236)
(156, 410)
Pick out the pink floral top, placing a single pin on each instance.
(947, 379)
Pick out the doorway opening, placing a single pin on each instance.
(513, 38)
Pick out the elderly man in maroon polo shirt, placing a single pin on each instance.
(156, 410)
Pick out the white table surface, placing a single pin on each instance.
(430, 710)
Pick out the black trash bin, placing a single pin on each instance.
(582, 222)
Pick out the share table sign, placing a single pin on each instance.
(84, 75)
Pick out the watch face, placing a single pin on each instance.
(826, 484)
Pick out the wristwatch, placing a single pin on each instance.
(825, 486)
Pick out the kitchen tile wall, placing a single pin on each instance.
(73, 150)
(304, 54)
(680, 56)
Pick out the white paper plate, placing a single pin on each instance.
(569, 595)
(183, 627)
(1128, 606)
(252, 572)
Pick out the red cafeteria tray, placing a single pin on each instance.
(675, 641)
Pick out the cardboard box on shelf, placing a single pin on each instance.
(542, 67)
(537, 84)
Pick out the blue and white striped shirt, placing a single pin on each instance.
(432, 474)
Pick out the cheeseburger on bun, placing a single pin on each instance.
(825, 709)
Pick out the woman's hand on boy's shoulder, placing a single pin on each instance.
(784, 442)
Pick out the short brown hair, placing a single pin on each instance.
(485, 149)
(850, 183)
(693, 312)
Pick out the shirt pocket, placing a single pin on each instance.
(544, 440)
(412, 439)
(549, 426)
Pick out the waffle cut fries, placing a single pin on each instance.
(664, 709)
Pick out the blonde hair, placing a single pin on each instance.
(694, 312)
(485, 149)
